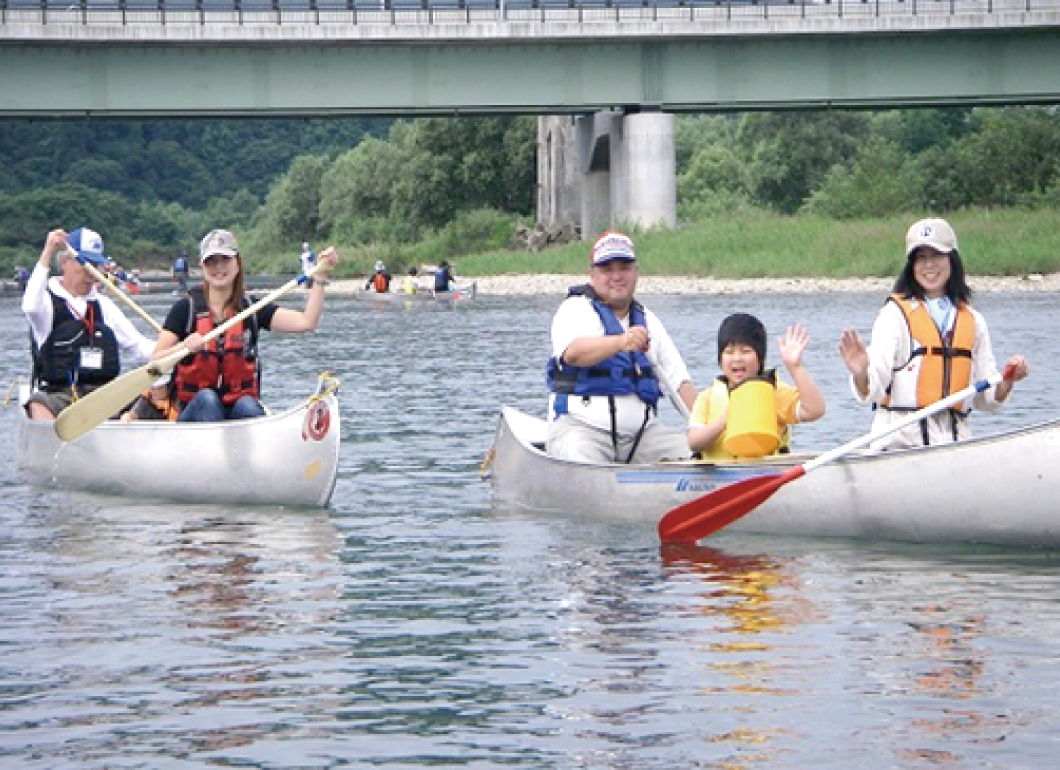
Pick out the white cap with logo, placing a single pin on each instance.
(934, 233)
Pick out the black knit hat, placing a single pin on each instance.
(741, 328)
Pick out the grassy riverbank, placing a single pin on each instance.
(1005, 242)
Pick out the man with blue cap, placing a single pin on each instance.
(611, 360)
(78, 334)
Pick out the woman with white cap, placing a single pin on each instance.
(927, 343)
(221, 379)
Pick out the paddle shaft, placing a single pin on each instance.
(121, 295)
(668, 387)
(917, 416)
(708, 513)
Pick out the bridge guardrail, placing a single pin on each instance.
(325, 12)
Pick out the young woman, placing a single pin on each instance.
(927, 343)
(220, 380)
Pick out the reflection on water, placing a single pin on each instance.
(414, 625)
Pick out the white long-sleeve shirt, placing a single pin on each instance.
(37, 307)
(891, 347)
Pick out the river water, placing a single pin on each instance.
(412, 624)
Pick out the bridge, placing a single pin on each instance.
(618, 68)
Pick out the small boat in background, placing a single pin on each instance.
(287, 458)
(1001, 489)
(460, 293)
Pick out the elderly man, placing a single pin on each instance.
(78, 334)
(611, 359)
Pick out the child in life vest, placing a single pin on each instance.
(720, 433)
(156, 403)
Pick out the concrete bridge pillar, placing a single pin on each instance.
(607, 170)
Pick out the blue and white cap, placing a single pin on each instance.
(611, 246)
(88, 244)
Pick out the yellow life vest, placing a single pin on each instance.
(719, 402)
(937, 366)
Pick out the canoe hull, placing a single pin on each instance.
(1002, 490)
(398, 298)
(287, 458)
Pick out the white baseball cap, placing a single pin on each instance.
(934, 233)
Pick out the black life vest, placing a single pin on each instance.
(57, 364)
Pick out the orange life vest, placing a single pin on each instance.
(941, 365)
(228, 364)
(167, 407)
(380, 283)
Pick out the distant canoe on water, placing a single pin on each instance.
(464, 292)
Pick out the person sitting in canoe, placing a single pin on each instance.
(746, 412)
(156, 403)
(443, 277)
(927, 342)
(411, 284)
(221, 380)
(379, 281)
(79, 336)
(608, 355)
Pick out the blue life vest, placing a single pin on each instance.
(622, 374)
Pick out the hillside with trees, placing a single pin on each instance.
(425, 189)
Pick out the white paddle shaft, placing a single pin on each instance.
(927, 411)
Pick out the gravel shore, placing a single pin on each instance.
(558, 284)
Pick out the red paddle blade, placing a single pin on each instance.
(708, 513)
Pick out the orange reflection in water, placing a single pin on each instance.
(760, 599)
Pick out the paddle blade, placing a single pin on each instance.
(102, 403)
(708, 513)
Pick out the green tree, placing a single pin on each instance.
(788, 154)
(881, 181)
(1015, 153)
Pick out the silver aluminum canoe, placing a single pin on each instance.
(285, 458)
(461, 293)
(1002, 489)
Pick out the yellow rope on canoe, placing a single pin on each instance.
(327, 385)
(14, 385)
(483, 470)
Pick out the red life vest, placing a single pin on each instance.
(380, 283)
(228, 364)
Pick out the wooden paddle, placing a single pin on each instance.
(86, 413)
(708, 513)
(114, 288)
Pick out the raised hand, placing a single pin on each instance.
(792, 345)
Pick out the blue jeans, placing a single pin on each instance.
(206, 406)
